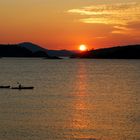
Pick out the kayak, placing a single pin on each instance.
(4, 86)
(20, 88)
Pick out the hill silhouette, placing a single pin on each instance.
(60, 53)
(32, 50)
(32, 47)
(53, 53)
(14, 51)
(119, 52)
(18, 51)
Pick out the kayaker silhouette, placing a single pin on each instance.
(19, 85)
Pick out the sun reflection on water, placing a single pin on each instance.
(81, 107)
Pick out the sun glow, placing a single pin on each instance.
(82, 47)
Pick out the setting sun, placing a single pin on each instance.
(82, 47)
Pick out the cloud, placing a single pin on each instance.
(100, 37)
(115, 14)
(121, 30)
(126, 30)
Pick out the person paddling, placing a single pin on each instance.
(19, 85)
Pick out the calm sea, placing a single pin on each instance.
(72, 100)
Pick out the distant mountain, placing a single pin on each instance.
(60, 53)
(119, 52)
(32, 47)
(35, 48)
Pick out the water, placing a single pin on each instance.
(72, 99)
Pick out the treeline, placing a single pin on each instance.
(120, 52)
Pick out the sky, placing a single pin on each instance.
(63, 24)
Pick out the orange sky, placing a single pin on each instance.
(61, 24)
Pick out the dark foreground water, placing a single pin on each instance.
(72, 100)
